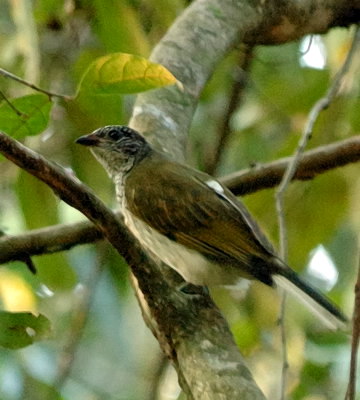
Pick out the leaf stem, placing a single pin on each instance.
(9, 75)
(16, 111)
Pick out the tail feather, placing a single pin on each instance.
(319, 304)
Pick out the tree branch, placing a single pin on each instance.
(182, 323)
(63, 237)
(235, 97)
(203, 34)
(286, 21)
(191, 49)
(47, 240)
(311, 164)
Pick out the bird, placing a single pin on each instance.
(193, 223)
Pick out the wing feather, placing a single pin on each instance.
(184, 208)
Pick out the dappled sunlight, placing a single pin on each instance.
(15, 293)
(313, 52)
(322, 267)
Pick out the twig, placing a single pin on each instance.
(79, 318)
(304, 52)
(284, 353)
(237, 91)
(158, 375)
(30, 264)
(9, 75)
(351, 391)
(16, 111)
(319, 106)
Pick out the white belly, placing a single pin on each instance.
(191, 265)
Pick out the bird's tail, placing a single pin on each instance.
(327, 312)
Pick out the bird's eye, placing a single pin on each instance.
(114, 134)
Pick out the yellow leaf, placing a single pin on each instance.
(121, 73)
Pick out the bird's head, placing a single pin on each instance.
(118, 148)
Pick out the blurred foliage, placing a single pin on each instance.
(22, 329)
(115, 356)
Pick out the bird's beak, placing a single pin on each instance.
(89, 140)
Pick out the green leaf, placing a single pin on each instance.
(35, 389)
(124, 73)
(18, 330)
(34, 112)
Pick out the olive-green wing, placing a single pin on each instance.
(195, 210)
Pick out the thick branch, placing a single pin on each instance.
(63, 237)
(204, 34)
(180, 320)
(191, 49)
(286, 21)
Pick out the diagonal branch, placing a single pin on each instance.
(180, 322)
(63, 237)
(191, 49)
(236, 96)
